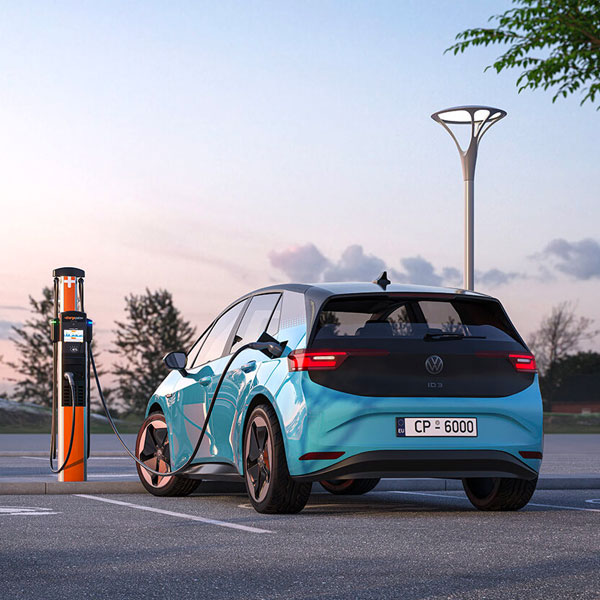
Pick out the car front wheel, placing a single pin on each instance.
(153, 449)
(268, 482)
(497, 493)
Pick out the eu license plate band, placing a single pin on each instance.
(436, 427)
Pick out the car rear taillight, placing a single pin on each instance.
(523, 362)
(325, 360)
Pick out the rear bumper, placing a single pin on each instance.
(451, 464)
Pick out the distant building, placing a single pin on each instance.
(577, 394)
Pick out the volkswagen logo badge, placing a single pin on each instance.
(434, 364)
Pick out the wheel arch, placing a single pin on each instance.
(156, 404)
(154, 407)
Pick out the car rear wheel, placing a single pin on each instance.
(347, 487)
(152, 448)
(496, 493)
(268, 482)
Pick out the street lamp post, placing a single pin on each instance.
(480, 119)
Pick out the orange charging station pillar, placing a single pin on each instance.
(71, 335)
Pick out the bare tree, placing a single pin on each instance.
(561, 333)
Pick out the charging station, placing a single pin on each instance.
(71, 335)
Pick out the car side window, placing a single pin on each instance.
(256, 319)
(193, 353)
(218, 336)
(293, 310)
(273, 327)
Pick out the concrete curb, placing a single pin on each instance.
(84, 487)
(564, 482)
(45, 453)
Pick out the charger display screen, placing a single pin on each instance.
(73, 335)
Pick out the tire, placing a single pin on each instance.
(496, 493)
(152, 448)
(348, 487)
(270, 488)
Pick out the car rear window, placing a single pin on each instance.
(396, 317)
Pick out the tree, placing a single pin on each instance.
(565, 33)
(582, 363)
(34, 350)
(560, 334)
(153, 327)
(567, 369)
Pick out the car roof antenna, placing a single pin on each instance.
(383, 280)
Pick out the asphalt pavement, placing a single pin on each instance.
(403, 540)
(409, 545)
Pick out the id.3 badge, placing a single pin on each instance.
(400, 428)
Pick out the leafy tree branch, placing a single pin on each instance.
(555, 42)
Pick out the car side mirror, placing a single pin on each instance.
(176, 361)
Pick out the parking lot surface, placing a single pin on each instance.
(410, 545)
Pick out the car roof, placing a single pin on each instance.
(317, 293)
(325, 289)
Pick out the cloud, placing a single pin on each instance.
(418, 270)
(307, 263)
(6, 329)
(300, 263)
(577, 259)
(495, 277)
(355, 265)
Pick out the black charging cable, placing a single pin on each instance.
(71, 379)
(271, 349)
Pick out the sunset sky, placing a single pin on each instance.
(211, 148)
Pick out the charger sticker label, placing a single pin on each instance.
(73, 335)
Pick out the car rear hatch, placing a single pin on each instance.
(416, 345)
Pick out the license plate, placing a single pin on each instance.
(436, 427)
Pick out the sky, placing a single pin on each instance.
(211, 148)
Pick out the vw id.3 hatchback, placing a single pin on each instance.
(375, 380)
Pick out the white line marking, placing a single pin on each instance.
(25, 511)
(528, 504)
(171, 513)
(111, 475)
(565, 507)
(424, 494)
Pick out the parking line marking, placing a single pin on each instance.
(111, 475)
(466, 499)
(564, 507)
(171, 513)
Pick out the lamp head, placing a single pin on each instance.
(469, 115)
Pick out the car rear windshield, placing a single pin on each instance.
(397, 317)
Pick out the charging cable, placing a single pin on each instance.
(69, 377)
(271, 349)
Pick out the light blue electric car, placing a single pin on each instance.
(374, 380)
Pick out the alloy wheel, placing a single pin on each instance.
(258, 458)
(154, 451)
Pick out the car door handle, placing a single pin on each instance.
(249, 366)
(205, 380)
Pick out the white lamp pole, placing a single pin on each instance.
(480, 118)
